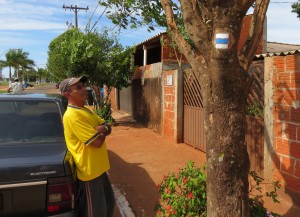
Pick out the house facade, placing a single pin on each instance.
(164, 95)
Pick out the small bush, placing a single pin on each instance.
(184, 194)
(105, 111)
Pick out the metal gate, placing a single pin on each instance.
(193, 127)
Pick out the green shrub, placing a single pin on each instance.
(184, 194)
(105, 112)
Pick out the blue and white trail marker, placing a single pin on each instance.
(222, 40)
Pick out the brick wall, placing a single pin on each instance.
(286, 81)
(246, 27)
(169, 106)
(168, 53)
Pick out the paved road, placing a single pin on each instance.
(48, 88)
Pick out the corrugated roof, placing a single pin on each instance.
(279, 49)
(149, 39)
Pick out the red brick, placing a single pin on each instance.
(295, 149)
(278, 176)
(290, 61)
(282, 113)
(295, 115)
(169, 132)
(169, 115)
(282, 146)
(284, 77)
(292, 183)
(169, 106)
(297, 168)
(287, 165)
(295, 80)
(290, 131)
(277, 160)
(279, 95)
(275, 79)
(278, 63)
(291, 96)
(278, 129)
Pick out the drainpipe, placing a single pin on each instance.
(144, 64)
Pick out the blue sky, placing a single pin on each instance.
(33, 24)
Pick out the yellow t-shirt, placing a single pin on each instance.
(79, 129)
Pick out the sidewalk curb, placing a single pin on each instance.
(122, 203)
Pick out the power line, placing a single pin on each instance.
(283, 2)
(75, 9)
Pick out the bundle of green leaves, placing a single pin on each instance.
(184, 194)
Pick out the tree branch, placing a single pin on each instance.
(245, 4)
(192, 55)
(195, 24)
(250, 46)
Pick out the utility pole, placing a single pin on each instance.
(75, 9)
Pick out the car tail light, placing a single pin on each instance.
(61, 194)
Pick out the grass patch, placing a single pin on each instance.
(4, 83)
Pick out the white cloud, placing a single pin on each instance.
(30, 24)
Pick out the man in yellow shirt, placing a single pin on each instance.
(85, 134)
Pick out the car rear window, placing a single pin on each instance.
(30, 121)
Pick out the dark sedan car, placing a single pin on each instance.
(36, 171)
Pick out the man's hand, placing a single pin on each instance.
(101, 129)
(104, 129)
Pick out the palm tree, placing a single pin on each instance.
(26, 64)
(16, 58)
(11, 57)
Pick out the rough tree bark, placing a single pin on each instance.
(225, 83)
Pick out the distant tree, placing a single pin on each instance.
(41, 72)
(97, 55)
(296, 8)
(24, 63)
(10, 61)
(17, 58)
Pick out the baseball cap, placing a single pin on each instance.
(63, 86)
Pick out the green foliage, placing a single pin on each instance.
(256, 200)
(105, 112)
(184, 194)
(135, 13)
(74, 53)
(97, 55)
(296, 8)
(17, 59)
(256, 110)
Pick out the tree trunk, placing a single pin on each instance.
(10, 73)
(227, 157)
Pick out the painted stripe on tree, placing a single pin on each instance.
(222, 40)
